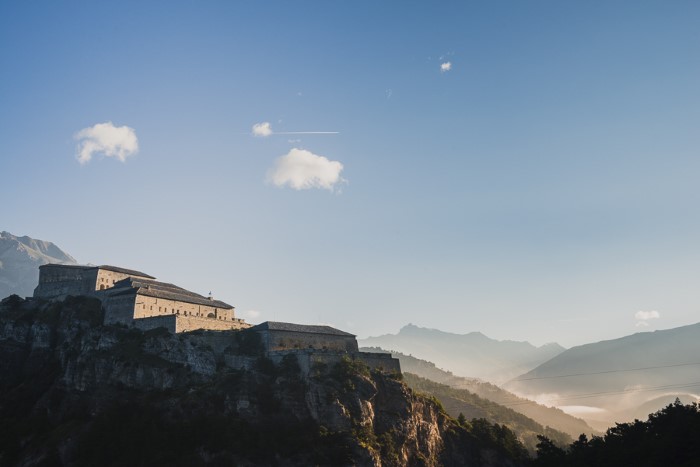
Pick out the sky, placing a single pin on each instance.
(528, 170)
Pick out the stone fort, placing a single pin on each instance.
(136, 299)
(133, 298)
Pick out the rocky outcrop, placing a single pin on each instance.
(20, 258)
(76, 392)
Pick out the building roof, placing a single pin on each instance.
(106, 267)
(71, 266)
(130, 272)
(306, 328)
(164, 290)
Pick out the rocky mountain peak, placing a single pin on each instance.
(20, 258)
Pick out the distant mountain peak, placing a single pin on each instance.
(472, 355)
(412, 329)
(20, 258)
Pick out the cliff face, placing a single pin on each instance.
(75, 392)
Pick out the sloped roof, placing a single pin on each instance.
(106, 267)
(164, 290)
(130, 272)
(71, 266)
(306, 328)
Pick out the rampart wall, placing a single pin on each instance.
(106, 279)
(146, 306)
(276, 340)
(57, 282)
(119, 309)
(180, 323)
(307, 359)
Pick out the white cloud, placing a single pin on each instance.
(301, 169)
(105, 138)
(643, 316)
(446, 66)
(646, 315)
(262, 130)
(251, 314)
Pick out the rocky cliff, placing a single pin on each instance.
(20, 258)
(76, 392)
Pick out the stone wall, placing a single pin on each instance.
(105, 279)
(180, 323)
(61, 281)
(308, 358)
(379, 361)
(151, 306)
(288, 340)
(146, 324)
(119, 309)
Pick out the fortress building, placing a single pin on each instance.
(134, 298)
(277, 337)
(313, 345)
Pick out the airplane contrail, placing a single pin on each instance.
(264, 129)
(305, 132)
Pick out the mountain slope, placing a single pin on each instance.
(611, 379)
(545, 416)
(461, 401)
(472, 355)
(20, 258)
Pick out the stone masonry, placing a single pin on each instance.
(134, 298)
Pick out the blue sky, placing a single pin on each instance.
(543, 188)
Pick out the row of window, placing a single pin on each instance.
(186, 313)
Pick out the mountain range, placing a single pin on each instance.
(20, 258)
(620, 379)
(471, 355)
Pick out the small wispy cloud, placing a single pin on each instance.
(105, 138)
(445, 67)
(300, 169)
(264, 129)
(643, 317)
